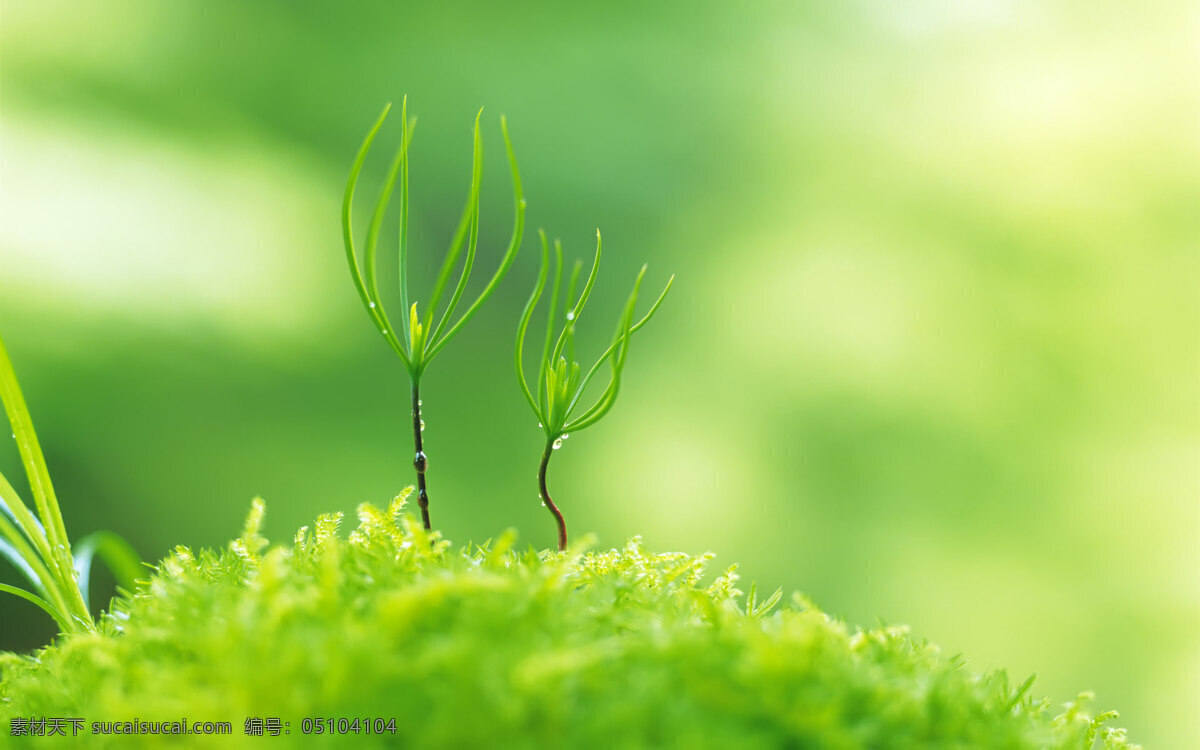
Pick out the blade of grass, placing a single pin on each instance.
(65, 625)
(31, 454)
(19, 558)
(47, 533)
(35, 557)
(120, 557)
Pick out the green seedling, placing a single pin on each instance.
(37, 544)
(560, 380)
(419, 340)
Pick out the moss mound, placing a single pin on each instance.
(492, 647)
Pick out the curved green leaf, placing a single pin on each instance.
(64, 624)
(120, 557)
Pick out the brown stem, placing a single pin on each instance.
(558, 516)
(420, 462)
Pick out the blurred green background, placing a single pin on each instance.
(932, 355)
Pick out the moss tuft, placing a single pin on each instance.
(495, 647)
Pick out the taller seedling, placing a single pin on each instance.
(419, 340)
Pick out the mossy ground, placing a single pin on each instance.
(493, 647)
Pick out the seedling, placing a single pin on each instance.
(37, 545)
(420, 341)
(560, 382)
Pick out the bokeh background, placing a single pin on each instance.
(932, 355)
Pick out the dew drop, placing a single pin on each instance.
(557, 444)
(420, 402)
(372, 305)
(539, 425)
(422, 425)
(420, 462)
(571, 315)
(384, 331)
(565, 436)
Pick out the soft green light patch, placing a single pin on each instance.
(131, 224)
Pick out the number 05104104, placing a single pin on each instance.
(345, 725)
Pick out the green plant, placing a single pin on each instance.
(421, 341)
(560, 380)
(37, 545)
(619, 648)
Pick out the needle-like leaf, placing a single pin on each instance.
(470, 220)
(509, 256)
(526, 314)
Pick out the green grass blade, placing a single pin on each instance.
(470, 219)
(509, 257)
(31, 455)
(120, 557)
(526, 315)
(17, 558)
(16, 511)
(31, 545)
(15, 547)
(48, 533)
(64, 624)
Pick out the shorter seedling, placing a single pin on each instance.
(560, 380)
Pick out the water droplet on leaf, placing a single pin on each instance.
(372, 305)
(422, 425)
(420, 462)
(571, 315)
(557, 444)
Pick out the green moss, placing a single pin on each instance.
(493, 647)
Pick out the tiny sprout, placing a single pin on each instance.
(421, 340)
(560, 380)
